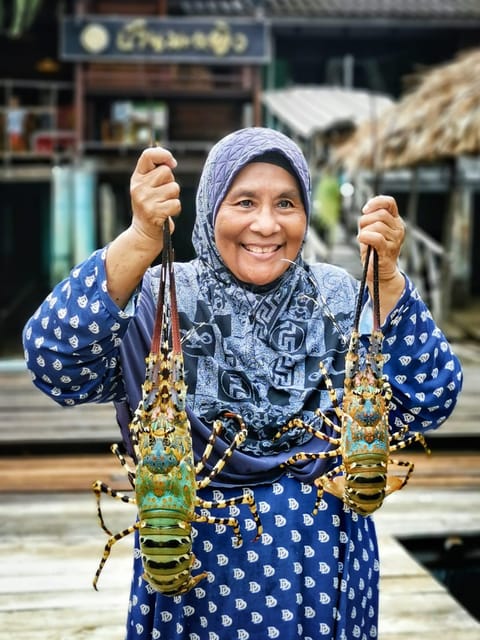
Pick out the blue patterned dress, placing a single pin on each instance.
(254, 351)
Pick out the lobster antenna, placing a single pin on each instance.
(377, 172)
(323, 300)
(376, 291)
(166, 268)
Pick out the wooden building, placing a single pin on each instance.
(89, 110)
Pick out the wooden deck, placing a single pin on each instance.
(29, 417)
(50, 542)
(50, 545)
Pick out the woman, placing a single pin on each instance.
(256, 322)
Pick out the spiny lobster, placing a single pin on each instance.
(364, 440)
(164, 478)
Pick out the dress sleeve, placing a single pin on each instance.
(72, 341)
(425, 375)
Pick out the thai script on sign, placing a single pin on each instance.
(136, 36)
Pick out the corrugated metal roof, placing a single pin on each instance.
(353, 9)
(309, 110)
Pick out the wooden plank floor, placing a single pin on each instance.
(50, 542)
(76, 472)
(27, 415)
(50, 545)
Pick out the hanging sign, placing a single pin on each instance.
(114, 38)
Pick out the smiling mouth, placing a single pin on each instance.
(261, 250)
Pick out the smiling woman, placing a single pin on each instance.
(256, 322)
(261, 223)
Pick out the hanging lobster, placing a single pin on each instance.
(164, 479)
(364, 440)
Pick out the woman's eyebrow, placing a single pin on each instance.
(249, 193)
(241, 191)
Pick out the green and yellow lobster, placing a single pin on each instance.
(164, 479)
(364, 440)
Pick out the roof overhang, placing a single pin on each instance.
(311, 110)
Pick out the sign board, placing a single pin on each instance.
(147, 39)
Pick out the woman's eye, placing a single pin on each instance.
(284, 204)
(245, 203)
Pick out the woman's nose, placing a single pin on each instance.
(265, 221)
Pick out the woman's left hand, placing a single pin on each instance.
(383, 229)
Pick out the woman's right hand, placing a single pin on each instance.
(154, 194)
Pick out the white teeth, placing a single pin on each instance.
(260, 249)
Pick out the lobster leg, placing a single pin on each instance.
(219, 465)
(115, 449)
(295, 423)
(108, 547)
(99, 487)
(247, 498)
(229, 522)
(395, 483)
(413, 437)
(310, 456)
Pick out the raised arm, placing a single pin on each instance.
(155, 197)
(425, 374)
(72, 341)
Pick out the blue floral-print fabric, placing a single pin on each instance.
(308, 577)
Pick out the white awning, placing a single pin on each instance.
(307, 110)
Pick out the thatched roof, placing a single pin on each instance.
(438, 119)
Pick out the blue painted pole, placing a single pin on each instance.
(61, 209)
(84, 219)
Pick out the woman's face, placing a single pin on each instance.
(261, 223)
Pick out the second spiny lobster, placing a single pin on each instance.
(364, 441)
(164, 479)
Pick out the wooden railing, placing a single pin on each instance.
(423, 260)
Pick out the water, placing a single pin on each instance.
(454, 561)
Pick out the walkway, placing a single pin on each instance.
(50, 542)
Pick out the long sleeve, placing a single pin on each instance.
(72, 341)
(425, 374)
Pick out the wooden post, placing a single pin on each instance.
(79, 84)
(79, 108)
(447, 241)
(162, 7)
(256, 97)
